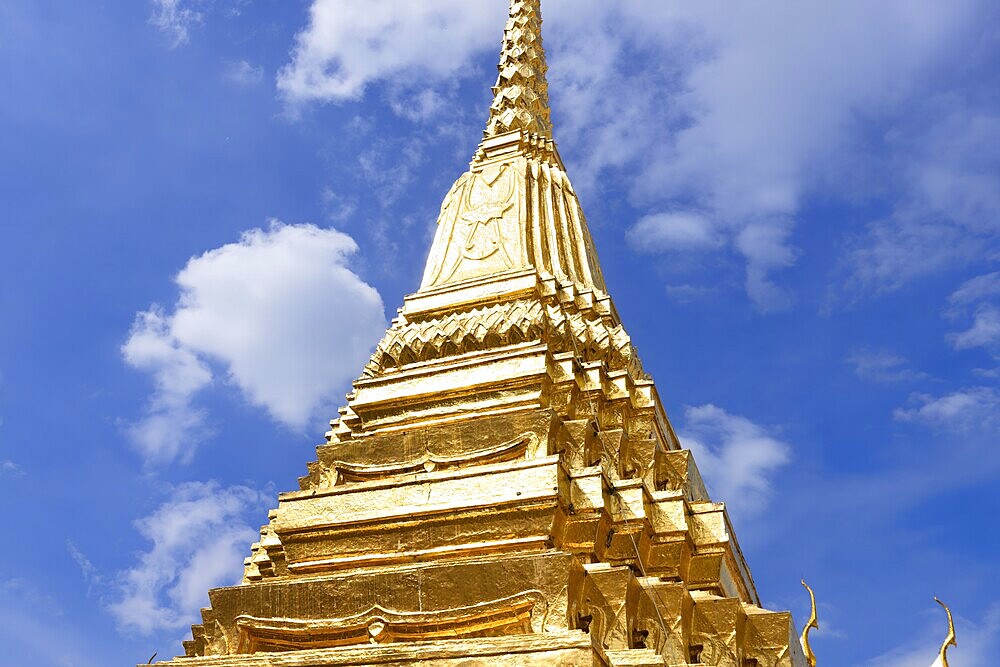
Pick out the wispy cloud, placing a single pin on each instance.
(280, 311)
(984, 331)
(976, 289)
(198, 539)
(669, 232)
(7, 467)
(243, 73)
(978, 298)
(10, 468)
(175, 18)
(735, 117)
(90, 573)
(883, 366)
(946, 209)
(975, 409)
(738, 457)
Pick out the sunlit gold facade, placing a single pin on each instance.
(503, 486)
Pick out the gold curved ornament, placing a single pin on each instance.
(813, 624)
(951, 639)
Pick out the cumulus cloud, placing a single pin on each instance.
(883, 366)
(735, 116)
(175, 19)
(199, 538)
(280, 311)
(350, 43)
(738, 457)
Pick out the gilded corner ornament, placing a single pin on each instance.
(950, 640)
(813, 624)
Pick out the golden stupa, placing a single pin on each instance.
(503, 486)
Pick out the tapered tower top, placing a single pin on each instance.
(515, 210)
(521, 94)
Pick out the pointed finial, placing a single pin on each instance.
(950, 640)
(813, 624)
(521, 94)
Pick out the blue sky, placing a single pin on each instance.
(210, 209)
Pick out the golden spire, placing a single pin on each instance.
(515, 210)
(521, 94)
(813, 624)
(950, 640)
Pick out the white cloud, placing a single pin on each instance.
(978, 295)
(686, 293)
(198, 538)
(760, 109)
(883, 366)
(975, 409)
(280, 311)
(978, 644)
(947, 212)
(172, 425)
(976, 289)
(243, 73)
(351, 43)
(738, 457)
(8, 467)
(882, 259)
(664, 232)
(732, 117)
(292, 323)
(765, 247)
(419, 106)
(175, 19)
(90, 574)
(984, 332)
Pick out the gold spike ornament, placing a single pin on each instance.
(950, 640)
(813, 624)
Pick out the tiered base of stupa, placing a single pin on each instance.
(503, 488)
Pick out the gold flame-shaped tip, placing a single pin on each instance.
(951, 639)
(521, 94)
(813, 624)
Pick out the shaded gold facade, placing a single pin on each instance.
(503, 486)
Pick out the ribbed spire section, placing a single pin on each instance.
(521, 99)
